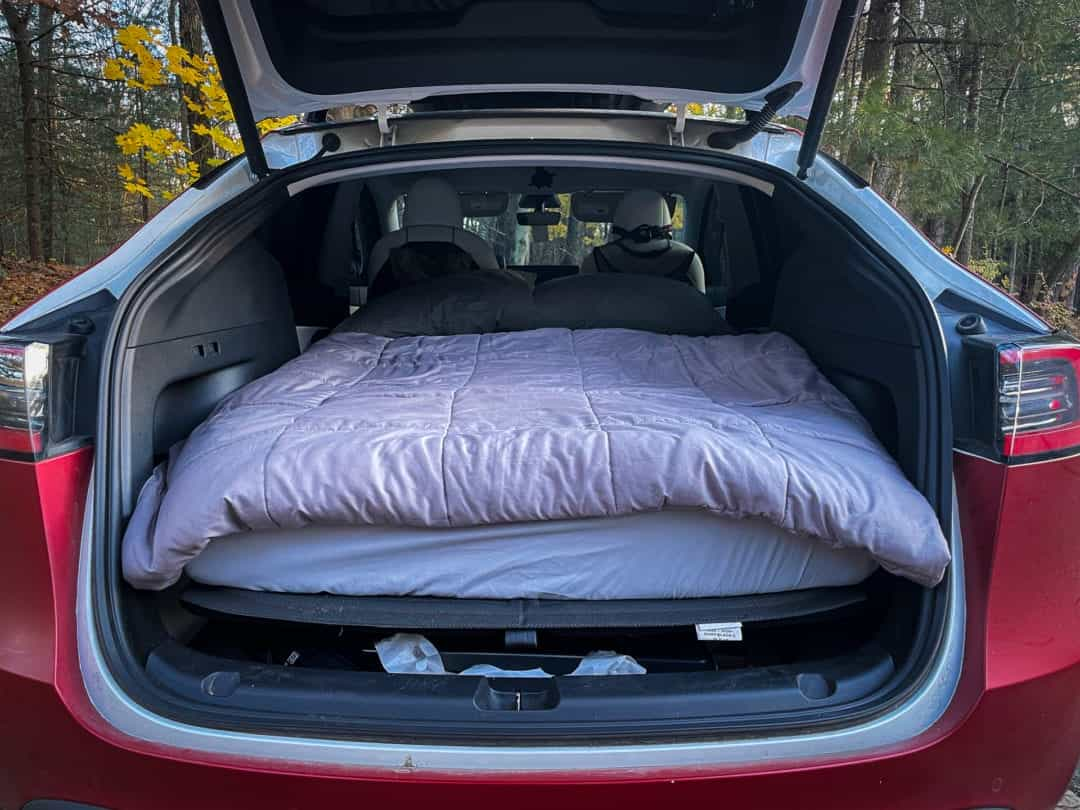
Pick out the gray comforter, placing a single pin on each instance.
(539, 425)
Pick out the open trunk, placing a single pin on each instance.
(253, 288)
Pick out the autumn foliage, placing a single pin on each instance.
(148, 64)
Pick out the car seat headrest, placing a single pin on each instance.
(642, 207)
(433, 201)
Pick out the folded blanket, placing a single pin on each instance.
(539, 425)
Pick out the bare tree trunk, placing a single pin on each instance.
(1076, 292)
(903, 74)
(971, 75)
(144, 168)
(1034, 279)
(19, 26)
(904, 59)
(851, 94)
(191, 40)
(1065, 264)
(879, 41)
(506, 226)
(573, 241)
(934, 228)
(47, 98)
(172, 14)
(962, 239)
(877, 53)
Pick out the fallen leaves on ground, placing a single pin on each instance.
(23, 282)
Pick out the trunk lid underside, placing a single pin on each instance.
(294, 57)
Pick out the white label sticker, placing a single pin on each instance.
(719, 631)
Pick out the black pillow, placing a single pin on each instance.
(462, 304)
(619, 301)
(497, 301)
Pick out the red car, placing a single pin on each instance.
(850, 579)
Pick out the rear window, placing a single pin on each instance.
(564, 243)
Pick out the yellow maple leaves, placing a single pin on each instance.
(146, 63)
(270, 124)
(156, 144)
(142, 70)
(132, 183)
(221, 139)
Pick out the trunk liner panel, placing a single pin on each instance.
(461, 706)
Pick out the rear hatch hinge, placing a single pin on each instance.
(677, 130)
(387, 130)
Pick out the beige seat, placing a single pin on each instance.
(432, 242)
(643, 243)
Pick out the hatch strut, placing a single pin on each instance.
(756, 120)
(830, 72)
(229, 68)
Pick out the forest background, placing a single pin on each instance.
(965, 114)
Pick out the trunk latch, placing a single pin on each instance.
(516, 694)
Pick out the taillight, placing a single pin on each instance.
(36, 396)
(1038, 405)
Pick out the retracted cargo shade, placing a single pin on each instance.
(281, 57)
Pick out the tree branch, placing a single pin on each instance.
(1048, 183)
(933, 64)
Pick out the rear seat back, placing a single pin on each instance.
(433, 242)
(643, 244)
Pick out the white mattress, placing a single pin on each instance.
(671, 554)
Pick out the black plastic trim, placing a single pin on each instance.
(432, 613)
(212, 235)
(330, 701)
(218, 34)
(846, 17)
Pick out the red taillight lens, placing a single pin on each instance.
(24, 397)
(1038, 402)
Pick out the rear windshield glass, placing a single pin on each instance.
(564, 243)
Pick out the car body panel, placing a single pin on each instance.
(1034, 599)
(997, 745)
(270, 94)
(1004, 729)
(969, 763)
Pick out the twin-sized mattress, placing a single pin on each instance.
(670, 554)
(593, 463)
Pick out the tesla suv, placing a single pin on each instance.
(527, 441)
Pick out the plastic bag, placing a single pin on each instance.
(413, 654)
(409, 653)
(605, 662)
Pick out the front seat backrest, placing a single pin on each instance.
(643, 243)
(432, 242)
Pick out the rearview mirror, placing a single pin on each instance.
(484, 203)
(536, 218)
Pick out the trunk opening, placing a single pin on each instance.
(283, 275)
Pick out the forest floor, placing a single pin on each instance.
(22, 283)
(1071, 799)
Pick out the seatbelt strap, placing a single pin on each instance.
(357, 298)
(358, 288)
